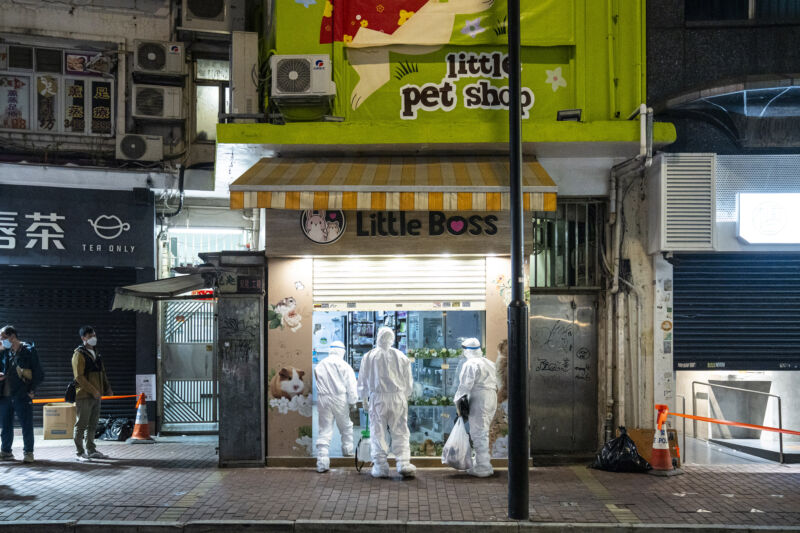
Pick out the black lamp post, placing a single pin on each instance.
(518, 436)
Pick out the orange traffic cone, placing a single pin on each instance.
(141, 429)
(661, 460)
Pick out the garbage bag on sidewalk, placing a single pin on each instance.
(620, 455)
(457, 451)
(118, 429)
(102, 425)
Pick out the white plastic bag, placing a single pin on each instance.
(457, 451)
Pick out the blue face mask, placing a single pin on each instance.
(6, 344)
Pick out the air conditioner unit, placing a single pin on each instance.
(213, 16)
(157, 102)
(140, 147)
(244, 72)
(682, 203)
(302, 77)
(158, 57)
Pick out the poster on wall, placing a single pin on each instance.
(77, 62)
(75, 106)
(46, 102)
(15, 102)
(101, 107)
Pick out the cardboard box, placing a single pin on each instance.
(643, 438)
(59, 421)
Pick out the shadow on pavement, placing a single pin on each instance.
(9, 494)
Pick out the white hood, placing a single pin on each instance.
(471, 348)
(385, 338)
(336, 350)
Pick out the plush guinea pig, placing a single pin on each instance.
(287, 383)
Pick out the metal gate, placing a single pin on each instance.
(563, 373)
(189, 384)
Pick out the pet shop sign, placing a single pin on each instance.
(326, 227)
(480, 95)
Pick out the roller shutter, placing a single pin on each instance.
(49, 305)
(369, 283)
(737, 311)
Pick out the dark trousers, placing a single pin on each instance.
(23, 407)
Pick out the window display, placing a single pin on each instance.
(432, 342)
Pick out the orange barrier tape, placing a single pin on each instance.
(737, 424)
(61, 400)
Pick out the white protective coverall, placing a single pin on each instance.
(478, 382)
(336, 392)
(385, 380)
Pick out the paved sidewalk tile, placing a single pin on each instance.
(177, 482)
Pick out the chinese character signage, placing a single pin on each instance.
(75, 227)
(15, 102)
(101, 107)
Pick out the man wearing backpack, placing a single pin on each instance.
(20, 374)
(91, 383)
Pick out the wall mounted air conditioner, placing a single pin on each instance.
(158, 57)
(213, 16)
(682, 203)
(157, 101)
(140, 147)
(302, 78)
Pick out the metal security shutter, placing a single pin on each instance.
(49, 305)
(737, 311)
(404, 283)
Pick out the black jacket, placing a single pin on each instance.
(25, 358)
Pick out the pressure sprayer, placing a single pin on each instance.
(363, 454)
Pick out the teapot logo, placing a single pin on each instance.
(109, 226)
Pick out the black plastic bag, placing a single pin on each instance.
(102, 425)
(118, 429)
(620, 455)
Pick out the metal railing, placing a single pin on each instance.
(683, 422)
(694, 408)
(188, 322)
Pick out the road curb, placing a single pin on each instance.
(349, 526)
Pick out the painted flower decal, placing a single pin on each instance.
(473, 27)
(555, 79)
(347, 39)
(404, 16)
(306, 3)
(379, 8)
(328, 9)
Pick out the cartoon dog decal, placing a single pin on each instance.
(287, 383)
(378, 28)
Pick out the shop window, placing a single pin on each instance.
(213, 96)
(431, 339)
(732, 10)
(567, 246)
(55, 91)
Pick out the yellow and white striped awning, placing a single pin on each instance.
(390, 184)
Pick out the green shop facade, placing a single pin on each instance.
(382, 173)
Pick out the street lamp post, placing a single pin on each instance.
(518, 436)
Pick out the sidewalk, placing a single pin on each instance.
(173, 486)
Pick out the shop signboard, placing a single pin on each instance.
(76, 227)
(436, 62)
(334, 232)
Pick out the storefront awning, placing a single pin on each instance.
(390, 184)
(140, 297)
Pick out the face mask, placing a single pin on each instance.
(92, 341)
(6, 344)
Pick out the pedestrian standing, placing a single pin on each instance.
(91, 383)
(20, 375)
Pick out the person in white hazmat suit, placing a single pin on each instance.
(336, 395)
(476, 397)
(385, 383)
